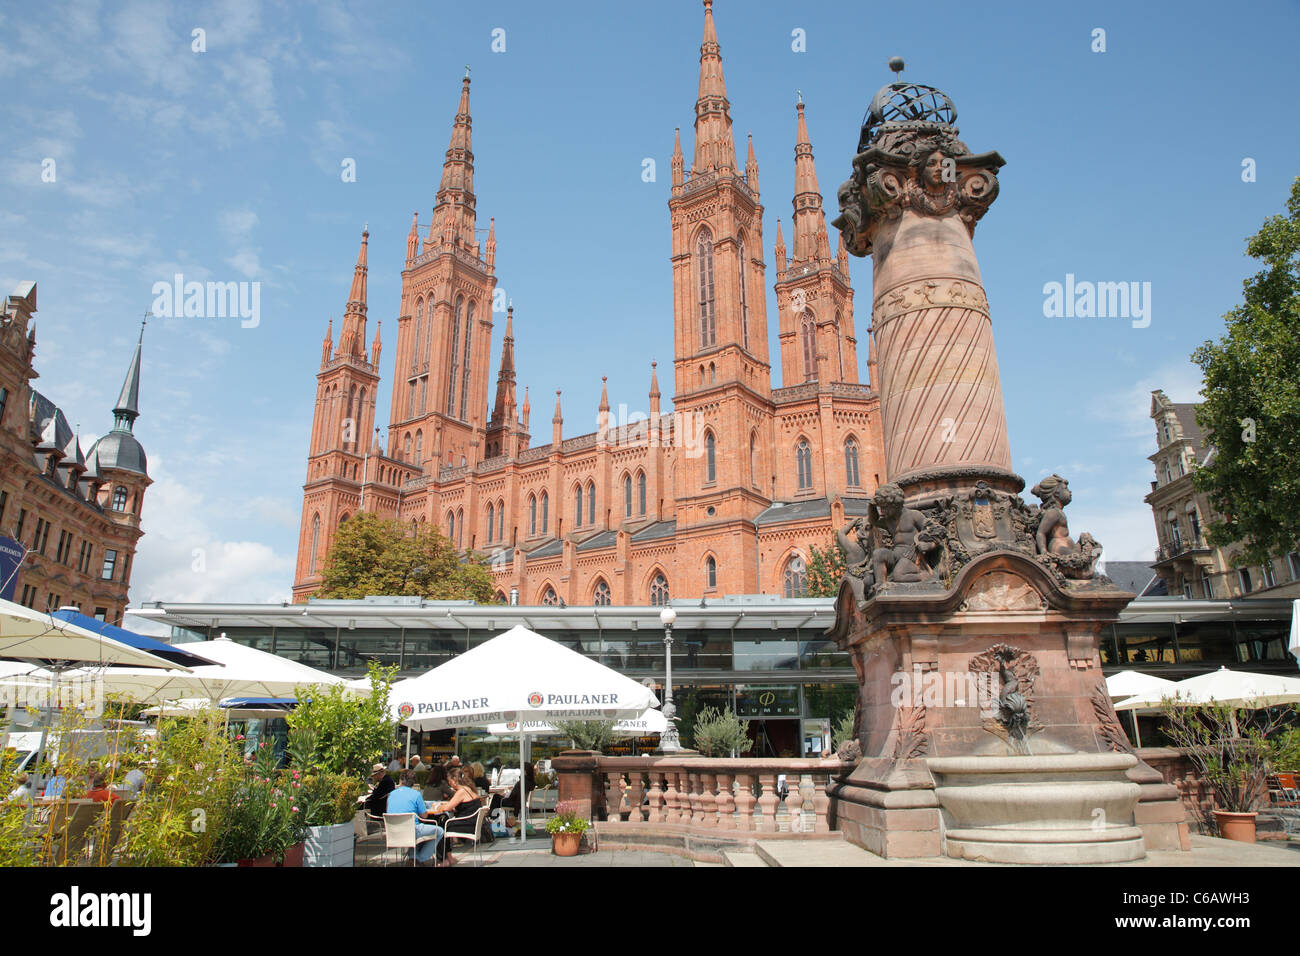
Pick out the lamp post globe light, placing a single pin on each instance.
(668, 742)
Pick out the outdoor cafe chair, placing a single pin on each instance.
(118, 811)
(69, 827)
(399, 832)
(476, 837)
(362, 830)
(1286, 800)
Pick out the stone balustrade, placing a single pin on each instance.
(736, 795)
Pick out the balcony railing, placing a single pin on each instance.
(1170, 552)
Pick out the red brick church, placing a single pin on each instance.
(724, 495)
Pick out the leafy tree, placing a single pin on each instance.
(350, 731)
(719, 733)
(587, 734)
(376, 555)
(1251, 413)
(825, 568)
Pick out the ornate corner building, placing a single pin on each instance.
(72, 520)
(724, 495)
(1185, 560)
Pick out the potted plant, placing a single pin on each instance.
(566, 828)
(262, 820)
(721, 733)
(1230, 750)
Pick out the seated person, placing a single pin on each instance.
(381, 785)
(55, 786)
(406, 799)
(99, 791)
(529, 780)
(22, 792)
(462, 807)
(477, 775)
(437, 786)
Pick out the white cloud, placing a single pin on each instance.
(182, 559)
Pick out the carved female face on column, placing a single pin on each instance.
(933, 172)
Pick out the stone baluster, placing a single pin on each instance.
(745, 801)
(655, 813)
(821, 804)
(767, 802)
(613, 796)
(794, 801)
(672, 798)
(726, 803)
(635, 794)
(708, 802)
(693, 793)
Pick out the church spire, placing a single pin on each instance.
(679, 161)
(654, 394)
(809, 221)
(503, 410)
(780, 249)
(375, 345)
(751, 168)
(327, 347)
(557, 423)
(352, 336)
(491, 246)
(127, 409)
(454, 204)
(714, 146)
(413, 238)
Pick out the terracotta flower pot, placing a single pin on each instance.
(293, 855)
(1236, 826)
(267, 860)
(565, 844)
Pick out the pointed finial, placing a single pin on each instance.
(466, 72)
(365, 229)
(799, 93)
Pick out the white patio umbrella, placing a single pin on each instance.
(1294, 644)
(1229, 687)
(521, 676)
(240, 671)
(33, 636)
(1131, 683)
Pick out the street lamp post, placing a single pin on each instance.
(668, 742)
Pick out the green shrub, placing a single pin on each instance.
(721, 733)
(587, 734)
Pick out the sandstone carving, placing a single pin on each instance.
(1012, 707)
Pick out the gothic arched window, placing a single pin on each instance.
(708, 316)
(455, 350)
(549, 597)
(808, 335)
(577, 506)
(419, 446)
(601, 596)
(794, 582)
(711, 572)
(591, 503)
(627, 496)
(753, 459)
(501, 520)
(315, 542)
(460, 527)
(640, 482)
(659, 591)
(491, 523)
(419, 322)
(406, 448)
(710, 458)
(451, 526)
(851, 462)
(803, 458)
(546, 507)
(464, 377)
(744, 299)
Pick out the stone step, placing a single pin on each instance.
(742, 858)
(814, 853)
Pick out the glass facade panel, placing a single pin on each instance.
(767, 701)
(633, 652)
(1261, 641)
(779, 652)
(700, 650)
(1205, 642)
(831, 701)
(359, 647)
(425, 650)
(311, 646)
(1145, 643)
(259, 638)
(817, 654)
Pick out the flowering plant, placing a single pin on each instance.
(264, 816)
(567, 819)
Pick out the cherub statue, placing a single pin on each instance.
(855, 539)
(903, 538)
(1053, 534)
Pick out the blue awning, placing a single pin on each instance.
(168, 652)
(259, 703)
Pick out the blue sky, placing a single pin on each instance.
(225, 165)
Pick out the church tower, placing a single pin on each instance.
(722, 373)
(812, 288)
(340, 434)
(444, 334)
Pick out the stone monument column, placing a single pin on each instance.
(912, 205)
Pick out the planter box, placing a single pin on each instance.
(330, 846)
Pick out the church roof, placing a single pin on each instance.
(549, 550)
(605, 539)
(660, 529)
(783, 512)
